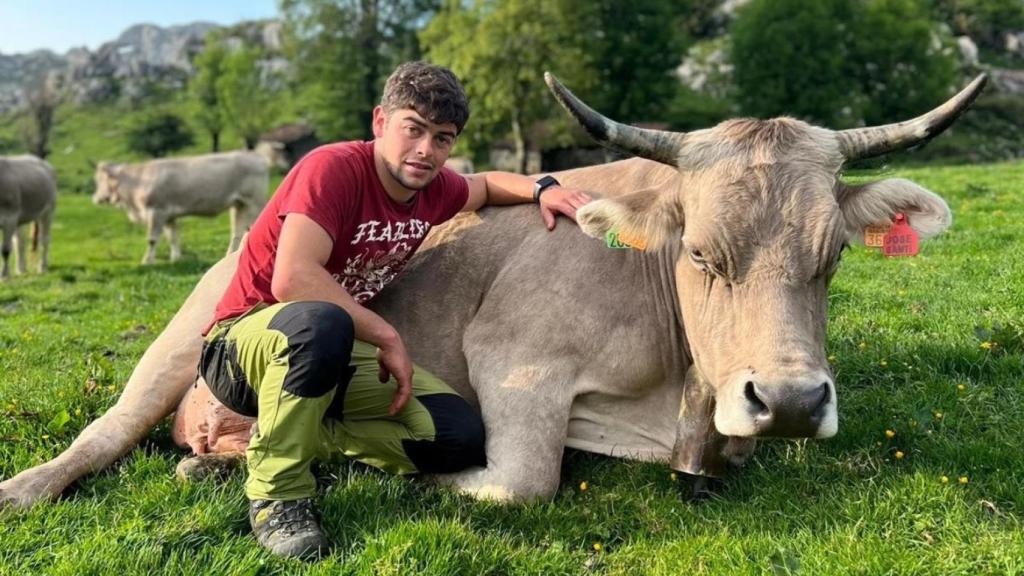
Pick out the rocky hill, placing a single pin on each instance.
(142, 55)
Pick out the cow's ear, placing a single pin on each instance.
(649, 215)
(878, 203)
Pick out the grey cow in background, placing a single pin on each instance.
(158, 192)
(28, 193)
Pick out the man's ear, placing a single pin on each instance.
(649, 215)
(379, 119)
(877, 203)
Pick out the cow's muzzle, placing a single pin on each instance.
(803, 407)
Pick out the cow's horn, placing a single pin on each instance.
(657, 145)
(860, 143)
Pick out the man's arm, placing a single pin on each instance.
(504, 188)
(299, 274)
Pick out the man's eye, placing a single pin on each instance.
(413, 130)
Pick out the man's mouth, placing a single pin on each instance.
(420, 166)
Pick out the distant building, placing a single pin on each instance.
(284, 145)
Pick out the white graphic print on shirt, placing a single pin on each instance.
(372, 267)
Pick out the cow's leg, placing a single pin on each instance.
(19, 248)
(155, 388)
(700, 451)
(8, 227)
(171, 231)
(242, 218)
(526, 417)
(45, 224)
(154, 226)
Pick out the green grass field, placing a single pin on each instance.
(929, 348)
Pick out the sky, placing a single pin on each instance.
(58, 25)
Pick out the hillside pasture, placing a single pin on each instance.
(925, 476)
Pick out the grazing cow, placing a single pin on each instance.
(684, 352)
(28, 193)
(158, 192)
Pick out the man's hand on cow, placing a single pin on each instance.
(394, 360)
(558, 200)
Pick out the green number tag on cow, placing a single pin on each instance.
(615, 239)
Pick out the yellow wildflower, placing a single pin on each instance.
(963, 479)
(938, 415)
(890, 433)
(961, 387)
(45, 436)
(883, 363)
(583, 486)
(832, 358)
(597, 546)
(673, 476)
(862, 345)
(944, 479)
(986, 345)
(899, 455)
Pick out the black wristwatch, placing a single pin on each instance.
(543, 184)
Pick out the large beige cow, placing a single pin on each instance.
(158, 192)
(28, 193)
(683, 353)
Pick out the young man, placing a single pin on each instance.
(291, 342)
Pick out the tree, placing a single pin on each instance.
(209, 65)
(42, 98)
(500, 50)
(247, 105)
(839, 63)
(343, 51)
(159, 133)
(635, 48)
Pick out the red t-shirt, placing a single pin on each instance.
(374, 236)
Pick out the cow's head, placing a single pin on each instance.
(761, 218)
(106, 184)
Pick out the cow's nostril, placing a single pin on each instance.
(757, 406)
(826, 395)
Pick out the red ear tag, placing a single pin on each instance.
(901, 239)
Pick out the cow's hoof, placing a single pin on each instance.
(697, 489)
(207, 466)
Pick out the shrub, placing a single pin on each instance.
(159, 133)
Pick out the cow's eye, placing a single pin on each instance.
(698, 260)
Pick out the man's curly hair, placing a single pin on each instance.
(432, 91)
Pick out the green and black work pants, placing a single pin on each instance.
(314, 391)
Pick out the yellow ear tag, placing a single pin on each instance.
(874, 235)
(616, 239)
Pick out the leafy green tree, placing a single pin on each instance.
(839, 63)
(209, 65)
(791, 57)
(635, 48)
(904, 65)
(159, 133)
(500, 50)
(247, 104)
(343, 51)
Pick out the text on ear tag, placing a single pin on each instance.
(875, 234)
(616, 239)
(901, 239)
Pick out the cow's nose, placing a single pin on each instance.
(787, 410)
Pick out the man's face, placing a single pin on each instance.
(413, 148)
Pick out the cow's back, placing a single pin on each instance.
(200, 185)
(28, 187)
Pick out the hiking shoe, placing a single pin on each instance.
(288, 528)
